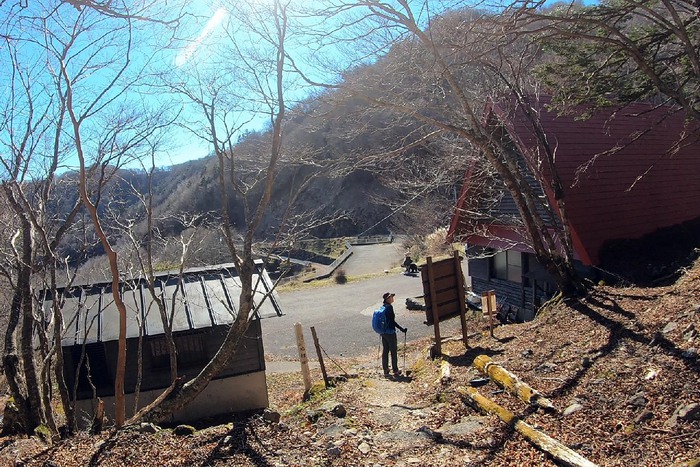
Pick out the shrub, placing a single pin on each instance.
(436, 243)
(340, 277)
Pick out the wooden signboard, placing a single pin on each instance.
(443, 288)
(488, 306)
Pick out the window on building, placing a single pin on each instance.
(507, 265)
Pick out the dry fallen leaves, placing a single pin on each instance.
(606, 352)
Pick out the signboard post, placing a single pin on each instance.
(433, 306)
(462, 296)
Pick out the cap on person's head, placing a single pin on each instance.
(387, 295)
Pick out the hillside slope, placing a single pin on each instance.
(622, 364)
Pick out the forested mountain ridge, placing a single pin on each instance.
(359, 200)
(382, 162)
(374, 186)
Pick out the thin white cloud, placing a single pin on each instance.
(189, 52)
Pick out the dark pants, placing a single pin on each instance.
(389, 344)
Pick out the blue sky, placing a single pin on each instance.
(198, 49)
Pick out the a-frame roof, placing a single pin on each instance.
(625, 172)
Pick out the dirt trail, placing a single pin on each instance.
(384, 393)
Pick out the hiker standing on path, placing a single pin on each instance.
(389, 341)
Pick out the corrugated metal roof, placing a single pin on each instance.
(207, 297)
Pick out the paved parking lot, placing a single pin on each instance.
(342, 314)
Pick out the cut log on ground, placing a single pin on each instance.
(542, 441)
(512, 383)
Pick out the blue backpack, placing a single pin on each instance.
(379, 320)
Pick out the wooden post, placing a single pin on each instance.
(302, 357)
(511, 383)
(320, 357)
(434, 307)
(485, 306)
(462, 297)
(488, 303)
(493, 307)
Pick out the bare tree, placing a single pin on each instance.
(451, 65)
(32, 128)
(68, 73)
(252, 82)
(77, 119)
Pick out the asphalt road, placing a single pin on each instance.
(342, 314)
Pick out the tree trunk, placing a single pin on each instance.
(181, 396)
(47, 393)
(537, 231)
(99, 419)
(28, 360)
(31, 379)
(119, 401)
(13, 374)
(11, 363)
(68, 407)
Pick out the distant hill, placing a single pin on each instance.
(361, 194)
(376, 171)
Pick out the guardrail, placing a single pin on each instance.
(362, 240)
(370, 240)
(349, 242)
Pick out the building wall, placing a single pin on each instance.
(195, 349)
(641, 170)
(508, 294)
(527, 296)
(523, 298)
(221, 396)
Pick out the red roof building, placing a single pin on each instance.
(625, 174)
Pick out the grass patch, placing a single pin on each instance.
(332, 247)
(328, 282)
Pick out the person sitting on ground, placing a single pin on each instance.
(409, 266)
(389, 341)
